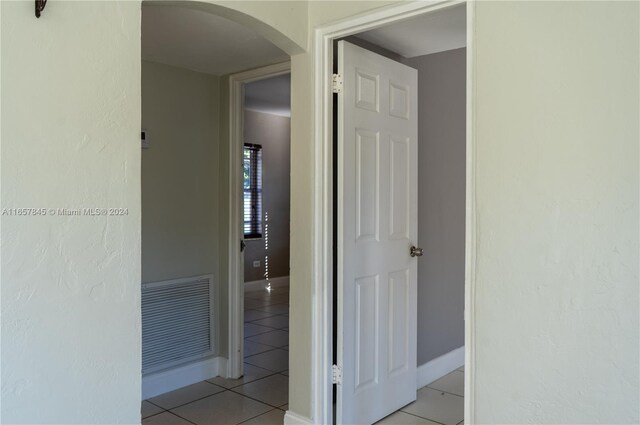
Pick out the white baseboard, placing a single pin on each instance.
(260, 285)
(181, 376)
(291, 418)
(440, 366)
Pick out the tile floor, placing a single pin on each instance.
(260, 397)
(441, 402)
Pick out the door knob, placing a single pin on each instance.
(416, 252)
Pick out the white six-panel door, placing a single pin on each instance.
(377, 225)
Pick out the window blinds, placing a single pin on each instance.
(252, 162)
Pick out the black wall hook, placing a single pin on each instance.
(40, 4)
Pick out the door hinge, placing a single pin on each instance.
(336, 374)
(336, 83)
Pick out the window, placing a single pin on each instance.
(252, 162)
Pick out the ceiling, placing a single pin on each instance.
(423, 35)
(271, 95)
(203, 42)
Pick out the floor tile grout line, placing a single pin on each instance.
(258, 324)
(253, 322)
(272, 330)
(197, 399)
(255, 399)
(257, 416)
(417, 416)
(268, 351)
(269, 345)
(155, 414)
(151, 402)
(261, 333)
(258, 311)
(175, 414)
(260, 379)
(250, 382)
(273, 373)
(271, 348)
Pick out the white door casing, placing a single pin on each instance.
(235, 341)
(377, 225)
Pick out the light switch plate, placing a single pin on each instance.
(144, 137)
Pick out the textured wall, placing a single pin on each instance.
(180, 185)
(557, 160)
(273, 132)
(441, 201)
(71, 284)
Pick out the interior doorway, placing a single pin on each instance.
(259, 111)
(204, 92)
(383, 350)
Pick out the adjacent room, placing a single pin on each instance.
(189, 58)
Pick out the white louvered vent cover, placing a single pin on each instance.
(176, 322)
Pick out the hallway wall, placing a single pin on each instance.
(441, 201)
(273, 132)
(180, 185)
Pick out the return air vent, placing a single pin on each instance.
(177, 322)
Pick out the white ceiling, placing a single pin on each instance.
(423, 35)
(271, 95)
(203, 42)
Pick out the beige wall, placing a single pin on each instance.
(70, 285)
(556, 153)
(273, 133)
(180, 184)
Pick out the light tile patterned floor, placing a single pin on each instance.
(260, 397)
(441, 402)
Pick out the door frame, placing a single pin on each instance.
(322, 406)
(236, 232)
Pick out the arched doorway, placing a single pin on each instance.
(190, 51)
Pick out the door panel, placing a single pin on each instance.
(377, 224)
(367, 184)
(398, 321)
(366, 331)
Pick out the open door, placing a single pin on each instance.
(377, 228)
